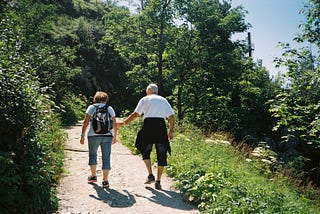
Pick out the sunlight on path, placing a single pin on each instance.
(127, 192)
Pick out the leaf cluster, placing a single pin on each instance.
(30, 138)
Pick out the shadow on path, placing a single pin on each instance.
(167, 198)
(114, 198)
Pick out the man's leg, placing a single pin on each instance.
(162, 162)
(147, 162)
(160, 170)
(150, 177)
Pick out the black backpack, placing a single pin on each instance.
(101, 120)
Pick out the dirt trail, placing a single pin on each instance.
(127, 192)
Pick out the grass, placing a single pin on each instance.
(220, 179)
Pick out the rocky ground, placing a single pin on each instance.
(127, 192)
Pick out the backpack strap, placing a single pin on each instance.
(96, 105)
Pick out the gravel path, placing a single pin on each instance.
(127, 192)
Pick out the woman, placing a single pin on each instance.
(95, 140)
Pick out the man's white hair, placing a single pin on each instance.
(153, 87)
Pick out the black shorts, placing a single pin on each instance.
(161, 152)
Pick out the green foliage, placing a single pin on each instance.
(70, 47)
(19, 86)
(86, 61)
(30, 138)
(53, 71)
(296, 110)
(32, 170)
(195, 63)
(250, 102)
(297, 107)
(142, 39)
(311, 27)
(211, 174)
(72, 110)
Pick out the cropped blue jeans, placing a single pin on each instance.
(105, 145)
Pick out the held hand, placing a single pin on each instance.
(120, 123)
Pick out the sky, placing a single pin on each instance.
(272, 21)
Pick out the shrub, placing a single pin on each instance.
(30, 140)
(72, 109)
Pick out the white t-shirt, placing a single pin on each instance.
(154, 106)
(90, 110)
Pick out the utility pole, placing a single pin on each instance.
(250, 46)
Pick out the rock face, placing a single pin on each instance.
(89, 79)
(101, 81)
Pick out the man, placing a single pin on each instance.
(155, 110)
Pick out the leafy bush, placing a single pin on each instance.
(71, 110)
(30, 140)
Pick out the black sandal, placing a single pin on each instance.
(92, 179)
(157, 185)
(105, 184)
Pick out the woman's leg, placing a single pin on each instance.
(106, 153)
(93, 145)
(93, 169)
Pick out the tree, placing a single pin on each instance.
(143, 39)
(297, 107)
(84, 62)
(208, 60)
(311, 28)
